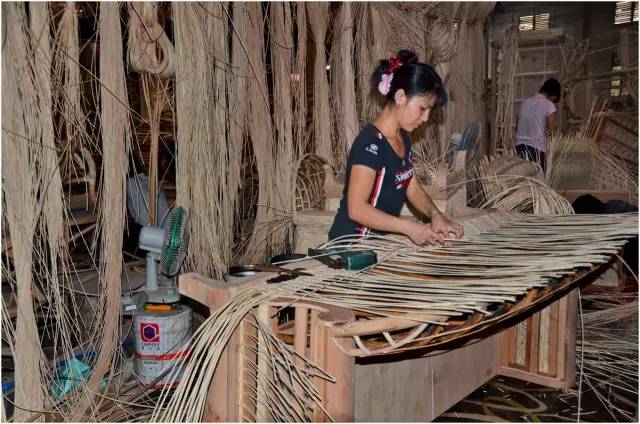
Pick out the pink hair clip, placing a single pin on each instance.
(385, 84)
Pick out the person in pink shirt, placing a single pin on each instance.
(536, 122)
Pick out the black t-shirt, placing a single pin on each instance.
(393, 175)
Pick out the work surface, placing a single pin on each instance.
(416, 299)
(506, 265)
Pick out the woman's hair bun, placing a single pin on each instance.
(407, 57)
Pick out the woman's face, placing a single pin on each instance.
(413, 111)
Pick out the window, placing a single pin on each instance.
(626, 11)
(616, 80)
(534, 22)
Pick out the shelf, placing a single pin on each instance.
(536, 74)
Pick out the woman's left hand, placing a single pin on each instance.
(442, 225)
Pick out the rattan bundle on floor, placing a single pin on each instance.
(511, 184)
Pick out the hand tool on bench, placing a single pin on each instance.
(339, 258)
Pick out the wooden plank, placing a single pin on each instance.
(317, 348)
(536, 73)
(200, 289)
(458, 373)
(555, 322)
(533, 335)
(223, 405)
(521, 354)
(513, 346)
(561, 351)
(506, 347)
(339, 395)
(217, 406)
(605, 74)
(420, 389)
(535, 378)
(397, 391)
(300, 332)
(570, 338)
(540, 48)
(262, 414)
(528, 38)
(215, 293)
(300, 339)
(562, 332)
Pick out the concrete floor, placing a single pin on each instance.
(506, 399)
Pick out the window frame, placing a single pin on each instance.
(535, 19)
(633, 12)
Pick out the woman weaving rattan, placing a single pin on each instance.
(380, 170)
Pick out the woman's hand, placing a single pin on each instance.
(440, 224)
(422, 234)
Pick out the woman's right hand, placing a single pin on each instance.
(422, 234)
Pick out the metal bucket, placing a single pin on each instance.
(159, 342)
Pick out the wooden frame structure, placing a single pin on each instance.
(374, 380)
(415, 385)
(310, 339)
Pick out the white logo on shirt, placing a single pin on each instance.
(373, 149)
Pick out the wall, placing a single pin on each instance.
(602, 32)
(580, 20)
(567, 15)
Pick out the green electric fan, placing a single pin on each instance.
(166, 250)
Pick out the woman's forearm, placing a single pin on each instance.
(420, 200)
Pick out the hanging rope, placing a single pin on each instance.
(150, 50)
